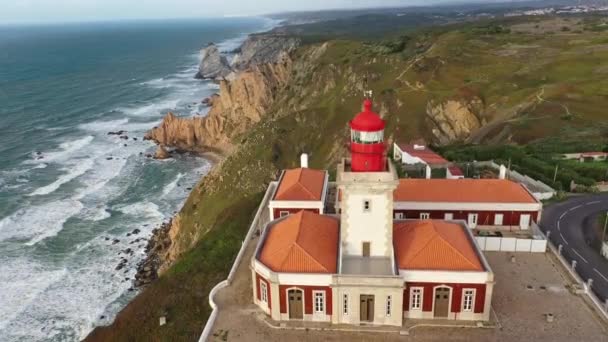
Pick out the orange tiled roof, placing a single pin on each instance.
(462, 190)
(302, 243)
(302, 184)
(434, 245)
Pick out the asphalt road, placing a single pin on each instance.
(570, 224)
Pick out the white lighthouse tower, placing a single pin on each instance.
(366, 184)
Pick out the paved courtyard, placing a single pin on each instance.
(525, 291)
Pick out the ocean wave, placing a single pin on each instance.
(171, 186)
(103, 126)
(152, 109)
(66, 149)
(142, 209)
(39, 222)
(73, 172)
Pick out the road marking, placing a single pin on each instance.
(563, 238)
(576, 207)
(594, 202)
(558, 225)
(562, 215)
(574, 250)
(601, 275)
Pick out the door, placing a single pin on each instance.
(448, 216)
(366, 307)
(295, 304)
(498, 219)
(442, 302)
(524, 221)
(472, 220)
(366, 249)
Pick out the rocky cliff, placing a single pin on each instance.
(241, 102)
(213, 64)
(455, 119)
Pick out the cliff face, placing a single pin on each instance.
(242, 101)
(454, 120)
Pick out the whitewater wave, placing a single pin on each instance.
(36, 223)
(171, 186)
(103, 126)
(73, 172)
(66, 149)
(152, 109)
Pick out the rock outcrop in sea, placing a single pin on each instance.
(213, 64)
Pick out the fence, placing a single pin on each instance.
(252, 228)
(539, 189)
(536, 243)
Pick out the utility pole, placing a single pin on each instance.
(555, 174)
(604, 234)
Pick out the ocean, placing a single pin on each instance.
(68, 190)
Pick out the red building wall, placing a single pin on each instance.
(258, 290)
(308, 299)
(510, 218)
(428, 293)
(277, 211)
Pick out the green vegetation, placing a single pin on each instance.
(539, 160)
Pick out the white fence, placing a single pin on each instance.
(254, 224)
(539, 189)
(537, 243)
(511, 244)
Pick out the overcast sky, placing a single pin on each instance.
(85, 10)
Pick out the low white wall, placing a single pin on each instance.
(509, 244)
(254, 224)
(605, 250)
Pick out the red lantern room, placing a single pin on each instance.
(367, 141)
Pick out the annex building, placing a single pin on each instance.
(395, 249)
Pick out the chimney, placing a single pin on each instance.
(502, 173)
(304, 160)
(428, 172)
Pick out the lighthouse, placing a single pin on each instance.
(367, 141)
(366, 183)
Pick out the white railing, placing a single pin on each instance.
(539, 189)
(224, 283)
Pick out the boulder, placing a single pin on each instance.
(213, 64)
(161, 153)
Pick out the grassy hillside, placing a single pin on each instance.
(533, 80)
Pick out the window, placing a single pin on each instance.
(415, 298)
(283, 213)
(389, 305)
(398, 216)
(448, 216)
(345, 304)
(473, 220)
(425, 216)
(468, 298)
(319, 301)
(263, 291)
(360, 137)
(367, 205)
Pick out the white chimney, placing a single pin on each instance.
(304, 160)
(502, 173)
(428, 172)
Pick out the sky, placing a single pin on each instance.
(19, 11)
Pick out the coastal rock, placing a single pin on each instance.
(455, 119)
(213, 64)
(161, 153)
(263, 49)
